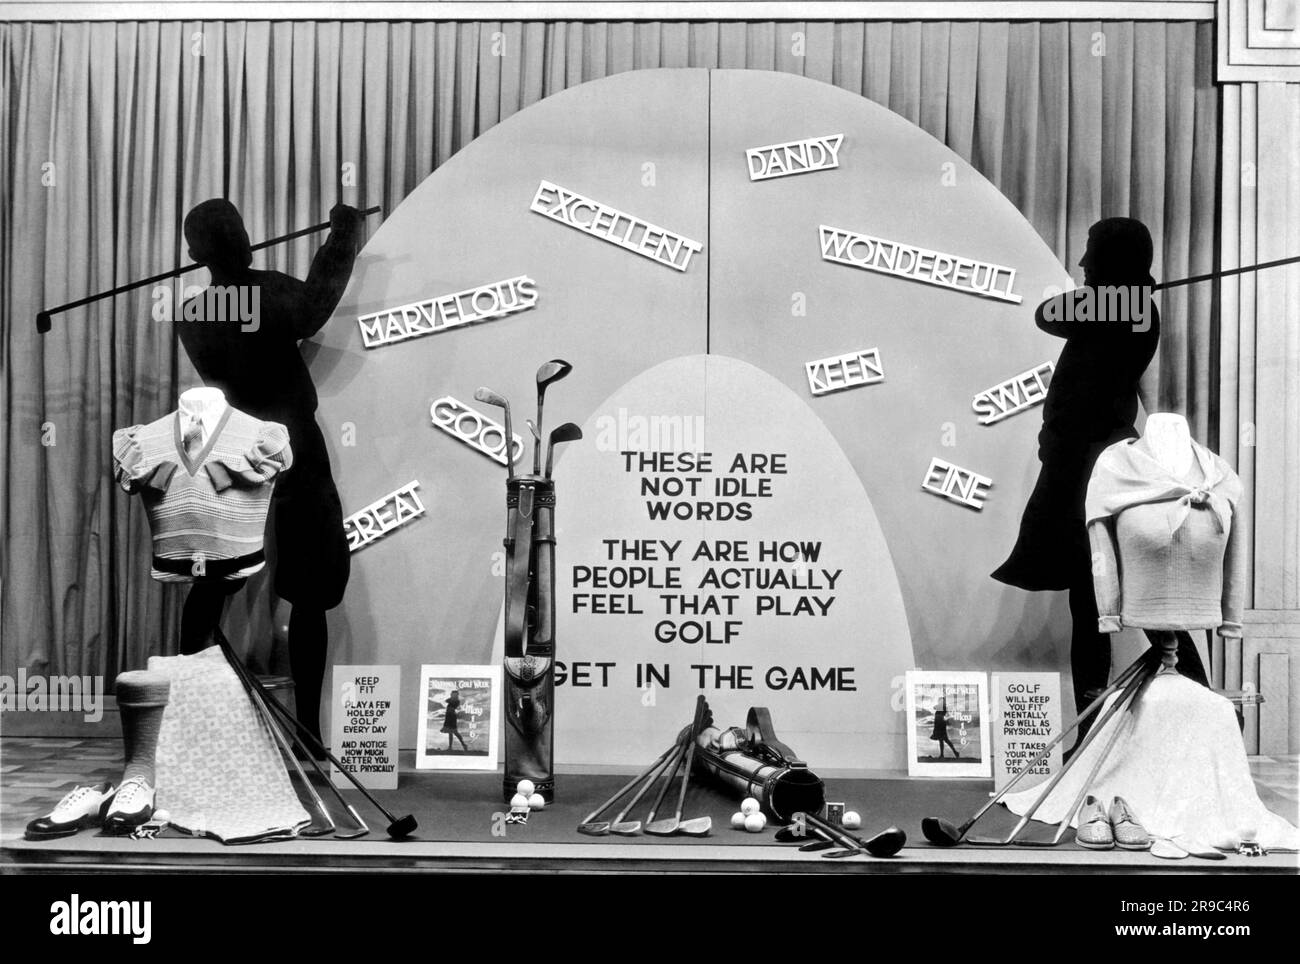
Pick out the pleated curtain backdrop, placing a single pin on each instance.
(113, 130)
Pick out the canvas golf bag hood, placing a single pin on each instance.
(751, 762)
(529, 685)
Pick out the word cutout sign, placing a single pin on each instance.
(839, 372)
(380, 518)
(795, 157)
(1016, 394)
(955, 483)
(495, 300)
(474, 429)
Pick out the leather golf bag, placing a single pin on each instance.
(530, 635)
(751, 762)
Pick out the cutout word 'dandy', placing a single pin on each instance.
(919, 264)
(1016, 394)
(612, 225)
(955, 483)
(380, 518)
(428, 317)
(795, 157)
(474, 429)
(839, 372)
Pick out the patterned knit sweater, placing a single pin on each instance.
(207, 510)
(1166, 552)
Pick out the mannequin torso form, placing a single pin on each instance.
(205, 404)
(1170, 441)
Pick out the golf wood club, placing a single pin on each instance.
(700, 825)
(594, 828)
(627, 828)
(1120, 727)
(1122, 702)
(277, 729)
(887, 843)
(549, 372)
(489, 397)
(942, 833)
(568, 432)
(398, 827)
(43, 318)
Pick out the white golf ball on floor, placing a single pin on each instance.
(755, 822)
(738, 821)
(162, 816)
(525, 787)
(536, 801)
(750, 805)
(519, 800)
(850, 820)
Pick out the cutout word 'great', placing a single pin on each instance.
(380, 518)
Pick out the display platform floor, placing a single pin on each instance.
(461, 829)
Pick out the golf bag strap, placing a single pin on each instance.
(519, 550)
(759, 725)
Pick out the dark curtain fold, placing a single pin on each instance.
(113, 130)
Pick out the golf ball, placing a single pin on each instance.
(536, 801)
(750, 805)
(162, 816)
(738, 821)
(519, 800)
(525, 787)
(851, 820)
(755, 822)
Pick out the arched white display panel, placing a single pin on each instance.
(704, 350)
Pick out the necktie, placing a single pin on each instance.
(193, 436)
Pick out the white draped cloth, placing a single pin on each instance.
(1180, 764)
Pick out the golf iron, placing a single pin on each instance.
(592, 827)
(489, 397)
(700, 826)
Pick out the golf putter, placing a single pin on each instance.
(942, 833)
(1064, 825)
(627, 828)
(594, 828)
(1122, 701)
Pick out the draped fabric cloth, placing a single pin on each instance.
(114, 130)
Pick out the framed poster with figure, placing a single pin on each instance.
(947, 724)
(460, 718)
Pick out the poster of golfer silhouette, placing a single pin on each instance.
(459, 718)
(947, 724)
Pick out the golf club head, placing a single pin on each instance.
(552, 371)
(317, 830)
(351, 834)
(988, 841)
(792, 833)
(662, 828)
(628, 828)
(402, 827)
(940, 832)
(598, 829)
(489, 397)
(886, 843)
(532, 427)
(42, 321)
(841, 854)
(697, 827)
(812, 846)
(568, 432)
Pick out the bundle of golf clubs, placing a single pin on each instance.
(817, 835)
(1130, 685)
(666, 766)
(529, 624)
(290, 735)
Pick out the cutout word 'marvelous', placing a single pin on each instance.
(616, 227)
(919, 264)
(474, 429)
(844, 371)
(955, 483)
(382, 517)
(796, 157)
(1014, 395)
(495, 300)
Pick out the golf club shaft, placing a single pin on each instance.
(680, 750)
(690, 753)
(313, 742)
(1122, 701)
(44, 316)
(628, 786)
(1092, 708)
(1101, 758)
(647, 784)
(1225, 273)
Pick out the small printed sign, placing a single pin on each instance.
(615, 226)
(363, 724)
(1026, 716)
(834, 374)
(955, 483)
(1016, 394)
(794, 157)
(919, 264)
(460, 718)
(474, 429)
(380, 518)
